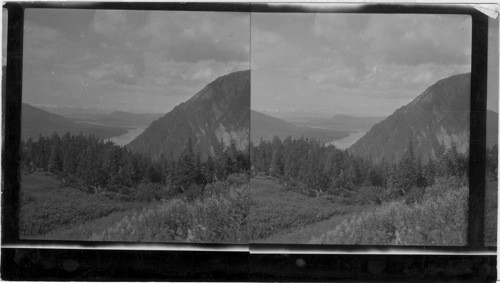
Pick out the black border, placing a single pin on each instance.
(248, 266)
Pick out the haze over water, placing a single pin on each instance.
(128, 137)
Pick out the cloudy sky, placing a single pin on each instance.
(365, 65)
(139, 61)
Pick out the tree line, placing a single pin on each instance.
(312, 167)
(100, 164)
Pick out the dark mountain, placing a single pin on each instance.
(220, 111)
(35, 121)
(266, 127)
(77, 113)
(126, 118)
(440, 115)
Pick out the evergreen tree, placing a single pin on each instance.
(54, 161)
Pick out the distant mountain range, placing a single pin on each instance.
(74, 112)
(35, 122)
(126, 118)
(351, 122)
(266, 127)
(340, 122)
(440, 115)
(220, 111)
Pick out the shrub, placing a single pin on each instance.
(147, 192)
(435, 221)
(220, 216)
(370, 195)
(294, 185)
(414, 195)
(237, 180)
(443, 185)
(193, 192)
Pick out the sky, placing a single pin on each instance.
(357, 64)
(137, 61)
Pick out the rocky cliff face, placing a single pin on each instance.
(440, 115)
(220, 111)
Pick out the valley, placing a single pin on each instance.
(77, 185)
(397, 180)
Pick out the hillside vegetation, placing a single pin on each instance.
(276, 210)
(71, 184)
(439, 219)
(366, 202)
(47, 205)
(218, 216)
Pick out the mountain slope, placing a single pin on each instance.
(440, 115)
(220, 111)
(267, 127)
(35, 121)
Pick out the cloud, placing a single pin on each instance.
(338, 60)
(195, 36)
(152, 59)
(400, 39)
(118, 72)
(110, 23)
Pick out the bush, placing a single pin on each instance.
(414, 195)
(193, 192)
(294, 185)
(441, 220)
(370, 195)
(220, 216)
(147, 192)
(443, 185)
(237, 180)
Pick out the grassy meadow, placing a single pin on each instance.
(491, 214)
(50, 210)
(219, 216)
(274, 210)
(47, 206)
(231, 212)
(439, 218)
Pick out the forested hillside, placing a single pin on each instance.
(94, 164)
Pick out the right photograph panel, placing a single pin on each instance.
(360, 129)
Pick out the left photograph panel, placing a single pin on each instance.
(135, 126)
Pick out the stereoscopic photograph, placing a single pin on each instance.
(360, 128)
(238, 127)
(135, 126)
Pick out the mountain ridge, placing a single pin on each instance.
(439, 115)
(266, 127)
(35, 122)
(218, 112)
